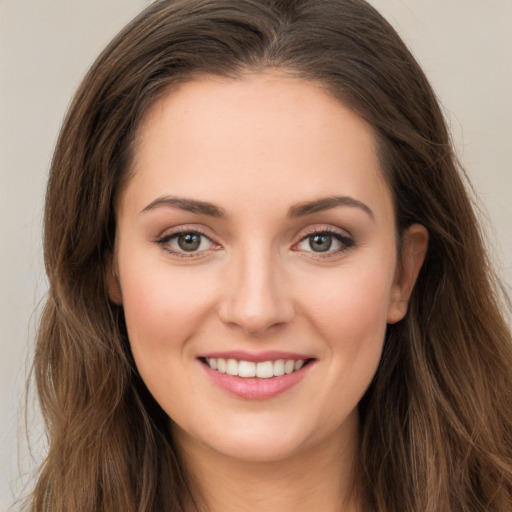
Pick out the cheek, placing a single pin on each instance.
(349, 311)
(352, 307)
(163, 309)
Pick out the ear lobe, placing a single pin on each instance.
(112, 283)
(414, 249)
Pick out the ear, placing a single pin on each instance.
(112, 282)
(414, 249)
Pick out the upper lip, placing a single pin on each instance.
(256, 357)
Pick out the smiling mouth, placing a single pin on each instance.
(250, 369)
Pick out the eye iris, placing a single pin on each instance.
(189, 241)
(320, 242)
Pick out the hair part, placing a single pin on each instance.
(436, 423)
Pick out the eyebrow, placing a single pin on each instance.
(326, 203)
(298, 210)
(188, 205)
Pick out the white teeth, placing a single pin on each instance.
(221, 365)
(278, 367)
(262, 370)
(246, 369)
(232, 367)
(265, 370)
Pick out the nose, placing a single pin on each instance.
(256, 294)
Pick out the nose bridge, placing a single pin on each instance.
(256, 297)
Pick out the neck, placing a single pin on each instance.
(317, 478)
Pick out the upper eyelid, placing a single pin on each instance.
(319, 228)
(170, 232)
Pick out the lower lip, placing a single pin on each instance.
(253, 388)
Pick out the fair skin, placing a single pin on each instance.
(257, 227)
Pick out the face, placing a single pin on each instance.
(256, 263)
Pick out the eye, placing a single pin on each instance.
(324, 242)
(186, 242)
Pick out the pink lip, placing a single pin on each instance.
(254, 388)
(259, 357)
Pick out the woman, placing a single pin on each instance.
(267, 285)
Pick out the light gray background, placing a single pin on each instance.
(465, 47)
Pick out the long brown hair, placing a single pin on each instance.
(436, 423)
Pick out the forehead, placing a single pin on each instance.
(257, 134)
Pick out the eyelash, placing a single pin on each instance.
(345, 241)
(164, 242)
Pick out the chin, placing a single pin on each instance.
(263, 440)
(257, 450)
